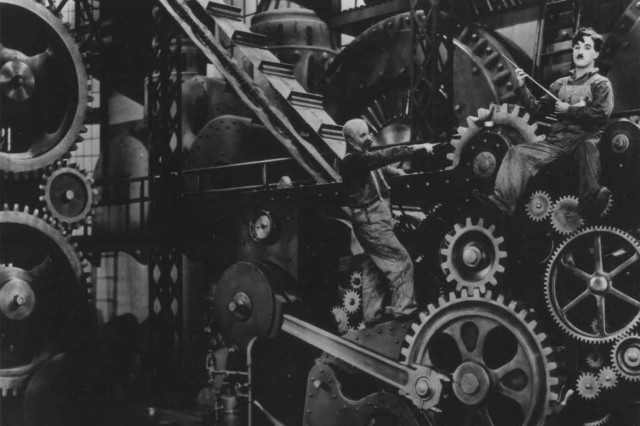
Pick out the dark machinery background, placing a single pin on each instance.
(218, 184)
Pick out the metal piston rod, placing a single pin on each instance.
(421, 384)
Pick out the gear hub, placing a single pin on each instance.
(471, 255)
(626, 357)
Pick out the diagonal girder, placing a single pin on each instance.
(189, 15)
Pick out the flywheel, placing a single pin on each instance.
(593, 276)
(43, 289)
(43, 87)
(501, 366)
(371, 78)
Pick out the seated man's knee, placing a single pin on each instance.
(590, 144)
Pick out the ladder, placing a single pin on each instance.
(560, 20)
(267, 86)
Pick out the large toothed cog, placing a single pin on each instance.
(565, 217)
(43, 88)
(351, 301)
(625, 357)
(492, 348)
(471, 255)
(609, 206)
(593, 275)
(588, 386)
(517, 129)
(355, 280)
(539, 206)
(608, 378)
(341, 319)
(43, 288)
(67, 194)
(602, 421)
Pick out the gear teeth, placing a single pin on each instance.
(341, 319)
(430, 323)
(501, 117)
(564, 216)
(61, 217)
(488, 247)
(626, 370)
(588, 386)
(599, 422)
(539, 206)
(351, 301)
(607, 378)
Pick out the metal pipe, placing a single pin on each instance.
(250, 382)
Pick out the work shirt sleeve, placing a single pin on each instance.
(377, 159)
(597, 109)
(537, 107)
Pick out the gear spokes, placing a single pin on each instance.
(43, 87)
(42, 286)
(591, 275)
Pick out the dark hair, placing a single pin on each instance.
(587, 32)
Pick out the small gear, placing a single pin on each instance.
(341, 319)
(588, 386)
(361, 326)
(607, 378)
(539, 206)
(595, 359)
(565, 217)
(625, 356)
(471, 255)
(67, 194)
(356, 279)
(351, 301)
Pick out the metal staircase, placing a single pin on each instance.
(560, 20)
(268, 87)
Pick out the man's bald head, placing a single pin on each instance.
(356, 133)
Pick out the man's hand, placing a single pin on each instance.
(426, 146)
(520, 76)
(561, 107)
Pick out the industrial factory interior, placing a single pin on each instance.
(319, 212)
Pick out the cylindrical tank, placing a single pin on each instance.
(297, 35)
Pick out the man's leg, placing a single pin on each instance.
(587, 156)
(373, 291)
(389, 255)
(519, 164)
(593, 197)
